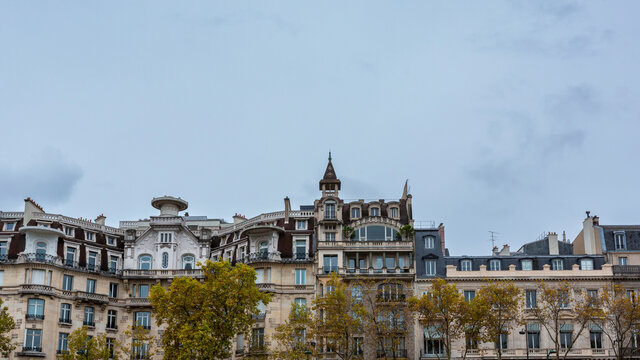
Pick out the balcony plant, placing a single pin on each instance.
(405, 232)
(348, 232)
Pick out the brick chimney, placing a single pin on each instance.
(287, 209)
(101, 219)
(441, 233)
(238, 218)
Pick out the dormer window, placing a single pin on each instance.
(526, 264)
(429, 242)
(111, 240)
(465, 265)
(355, 213)
(586, 264)
(393, 213)
(301, 225)
(69, 231)
(494, 265)
(374, 211)
(88, 235)
(330, 210)
(557, 264)
(10, 226)
(165, 237)
(620, 241)
(188, 262)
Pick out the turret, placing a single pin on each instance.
(169, 205)
(330, 185)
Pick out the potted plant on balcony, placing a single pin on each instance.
(348, 232)
(406, 232)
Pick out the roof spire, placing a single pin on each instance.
(329, 155)
(405, 191)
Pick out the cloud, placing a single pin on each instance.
(50, 178)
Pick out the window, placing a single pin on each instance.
(35, 309)
(355, 213)
(3, 250)
(92, 260)
(113, 290)
(622, 260)
(356, 293)
(595, 336)
(533, 336)
(257, 339)
(37, 277)
(329, 236)
(301, 302)
(620, 241)
(469, 295)
(9, 226)
(329, 210)
(390, 263)
(143, 291)
(631, 295)
(111, 346)
(586, 264)
(503, 342)
(429, 242)
(143, 319)
(526, 264)
(432, 341)
(165, 237)
(531, 299)
(264, 249)
(188, 262)
(68, 231)
(330, 263)
(301, 224)
(141, 350)
(65, 313)
(88, 316)
(301, 249)
(41, 251)
(111, 240)
(301, 276)
(259, 276)
(33, 340)
(390, 292)
(144, 262)
(113, 264)
(1, 278)
(494, 265)
(429, 267)
(63, 343)
(70, 256)
(378, 262)
(557, 264)
(374, 211)
(592, 296)
(262, 309)
(393, 212)
(375, 233)
(91, 286)
(465, 265)
(89, 236)
(564, 300)
(357, 345)
(67, 283)
(566, 335)
(112, 319)
(165, 260)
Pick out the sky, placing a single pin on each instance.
(506, 116)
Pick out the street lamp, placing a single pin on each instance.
(526, 341)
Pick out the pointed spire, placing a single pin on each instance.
(329, 155)
(330, 176)
(405, 192)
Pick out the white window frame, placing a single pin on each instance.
(301, 224)
(377, 210)
(622, 260)
(466, 265)
(295, 243)
(64, 283)
(193, 261)
(328, 214)
(529, 263)
(301, 276)
(93, 235)
(429, 242)
(430, 267)
(397, 212)
(140, 261)
(493, 266)
(71, 231)
(622, 236)
(165, 237)
(586, 264)
(6, 228)
(112, 240)
(557, 261)
(359, 212)
(330, 236)
(92, 289)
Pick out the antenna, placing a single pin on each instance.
(493, 238)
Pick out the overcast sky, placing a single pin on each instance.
(514, 116)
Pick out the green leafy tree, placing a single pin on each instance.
(81, 346)
(619, 317)
(202, 317)
(504, 299)
(338, 319)
(6, 325)
(406, 232)
(292, 335)
(472, 320)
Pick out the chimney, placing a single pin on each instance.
(287, 209)
(596, 220)
(552, 238)
(589, 235)
(564, 236)
(101, 219)
(505, 250)
(238, 218)
(30, 207)
(441, 233)
(495, 250)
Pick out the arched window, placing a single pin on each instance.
(41, 250)
(188, 262)
(165, 260)
(144, 262)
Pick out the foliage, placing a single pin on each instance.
(84, 347)
(201, 318)
(442, 312)
(348, 232)
(472, 321)
(141, 345)
(6, 325)
(619, 316)
(338, 319)
(291, 335)
(559, 304)
(504, 299)
(406, 232)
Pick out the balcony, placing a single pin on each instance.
(32, 351)
(370, 272)
(64, 321)
(162, 274)
(137, 301)
(391, 245)
(91, 297)
(626, 270)
(259, 317)
(265, 286)
(37, 289)
(40, 258)
(34, 316)
(262, 256)
(112, 326)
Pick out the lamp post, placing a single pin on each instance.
(526, 341)
(552, 351)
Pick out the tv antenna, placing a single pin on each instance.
(493, 238)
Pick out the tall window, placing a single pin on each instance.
(566, 334)
(330, 210)
(430, 267)
(165, 237)
(165, 260)
(533, 336)
(374, 211)
(595, 336)
(91, 286)
(586, 264)
(143, 290)
(469, 295)
(301, 249)
(494, 265)
(557, 264)
(264, 249)
(68, 231)
(112, 319)
(526, 264)
(63, 344)
(92, 260)
(143, 318)
(67, 283)
(188, 262)
(65, 313)
(329, 236)
(3, 250)
(33, 340)
(111, 346)
(113, 290)
(465, 265)
(355, 213)
(622, 260)
(564, 300)
(144, 262)
(35, 309)
(531, 298)
(41, 251)
(620, 241)
(113, 264)
(88, 316)
(330, 263)
(301, 276)
(301, 302)
(37, 277)
(429, 242)
(503, 342)
(70, 256)
(257, 339)
(89, 236)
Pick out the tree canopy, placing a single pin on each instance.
(6, 325)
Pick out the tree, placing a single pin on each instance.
(472, 319)
(559, 306)
(6, 325)
(619, 317)
(291, 336)
(406, 232)
(141, 344)
(81, 346)
(338, 319)
(505, 300)
(202, 317)
(442, 312)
